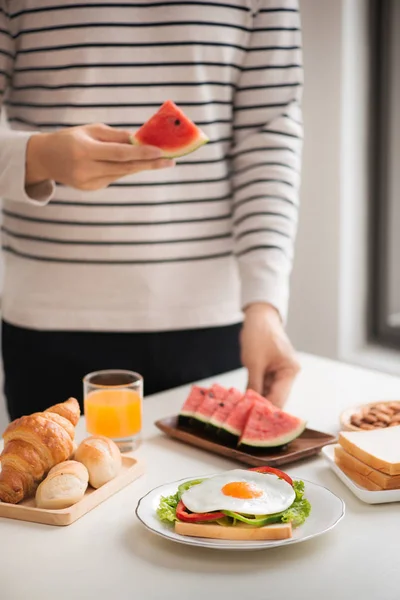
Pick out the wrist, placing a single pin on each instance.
(262, 308)
(36, 167)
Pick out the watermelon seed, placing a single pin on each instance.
(211, 395)
(177, 122)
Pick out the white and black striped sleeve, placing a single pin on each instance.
(266, 155)
(13, 143)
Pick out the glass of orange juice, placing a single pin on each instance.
(113, 406)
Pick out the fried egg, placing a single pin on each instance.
(238, 490)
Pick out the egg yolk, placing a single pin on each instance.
(241, 489)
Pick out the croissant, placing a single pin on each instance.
(33, 445)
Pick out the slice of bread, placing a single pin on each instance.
(378, 448)
(385, 482)
(360, 480)
(281, 531)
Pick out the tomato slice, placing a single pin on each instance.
(276, 472)
(188, 517)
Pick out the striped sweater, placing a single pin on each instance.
(179, 248)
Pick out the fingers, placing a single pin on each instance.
(256, 379)
(109, 169)
(114, 145)
(281, 386)
(105, 133)
(110, 172)
(122, 152)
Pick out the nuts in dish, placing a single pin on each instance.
(376, 416)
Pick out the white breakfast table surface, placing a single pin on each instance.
(108, 554)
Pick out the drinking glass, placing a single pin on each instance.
(113, 406)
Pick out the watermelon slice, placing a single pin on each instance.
(269, 427)
(231, 429)
(172, 131)
(193, 401)
(224, 408)
(258, 398)
(214, 397)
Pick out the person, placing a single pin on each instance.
(115, 257)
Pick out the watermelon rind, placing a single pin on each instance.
(201, 140)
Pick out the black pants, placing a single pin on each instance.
(42, 368)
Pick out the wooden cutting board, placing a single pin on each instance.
(309, 443)
(26, 511)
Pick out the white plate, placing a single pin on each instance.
(377, 497)
(326, 512)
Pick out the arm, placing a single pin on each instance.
(87, 158)
(13, 144)
(266, 166)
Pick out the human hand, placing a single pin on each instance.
(89, 157)
(267, 353)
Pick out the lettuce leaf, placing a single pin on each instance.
(166, 510)
(300, 509)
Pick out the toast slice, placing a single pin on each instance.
(360, 480)
(280, 531)
(377, 448)
(385, 482)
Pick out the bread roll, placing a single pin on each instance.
(65, 485)
(101, 457)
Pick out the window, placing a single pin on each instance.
(385, 173)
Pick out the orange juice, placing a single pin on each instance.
(114, 413)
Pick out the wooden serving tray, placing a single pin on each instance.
(26, 510)
(308, 444)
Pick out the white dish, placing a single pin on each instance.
(327, 510)
(377, 497)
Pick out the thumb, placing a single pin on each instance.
(281, 386)
(255, 379)
(105, 133)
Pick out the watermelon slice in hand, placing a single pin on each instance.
(172, 131)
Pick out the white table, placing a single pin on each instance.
(109, 554)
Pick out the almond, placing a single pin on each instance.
(383, 417)
(355, 420)
(366, 426)
(371, 419)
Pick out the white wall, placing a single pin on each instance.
(394, 178)
(314, 307)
